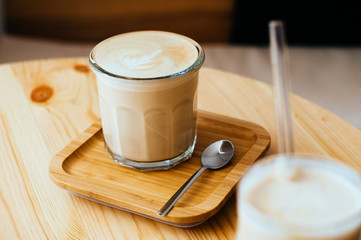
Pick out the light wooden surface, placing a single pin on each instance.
(85, 168)
(34, 129)
(327, 76)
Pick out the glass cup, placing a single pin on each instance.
(288, 197)
(147, 87)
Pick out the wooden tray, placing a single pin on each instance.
(85, 169)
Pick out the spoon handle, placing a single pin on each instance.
(174, 199)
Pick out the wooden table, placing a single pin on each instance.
(46, 104)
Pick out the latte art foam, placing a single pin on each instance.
(146, 54)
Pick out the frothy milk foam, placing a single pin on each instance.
(147, 119)
(300, 199)
(146, 54)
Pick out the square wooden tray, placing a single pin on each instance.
(84, 168)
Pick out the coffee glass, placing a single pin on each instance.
(288, 197)
(147, 87)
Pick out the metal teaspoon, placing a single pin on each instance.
(215, 156)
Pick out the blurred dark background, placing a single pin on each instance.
(94, 20)
(207, 21)
(307, 29)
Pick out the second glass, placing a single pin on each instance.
(286, 197)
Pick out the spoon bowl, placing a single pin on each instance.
(218, 154)
(215, 156)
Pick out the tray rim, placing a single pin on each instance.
(263, 140)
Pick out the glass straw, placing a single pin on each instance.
(281, 83)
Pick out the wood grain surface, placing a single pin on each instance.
(85, 168)
(46, 104)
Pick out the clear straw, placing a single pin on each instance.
(281, 83)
